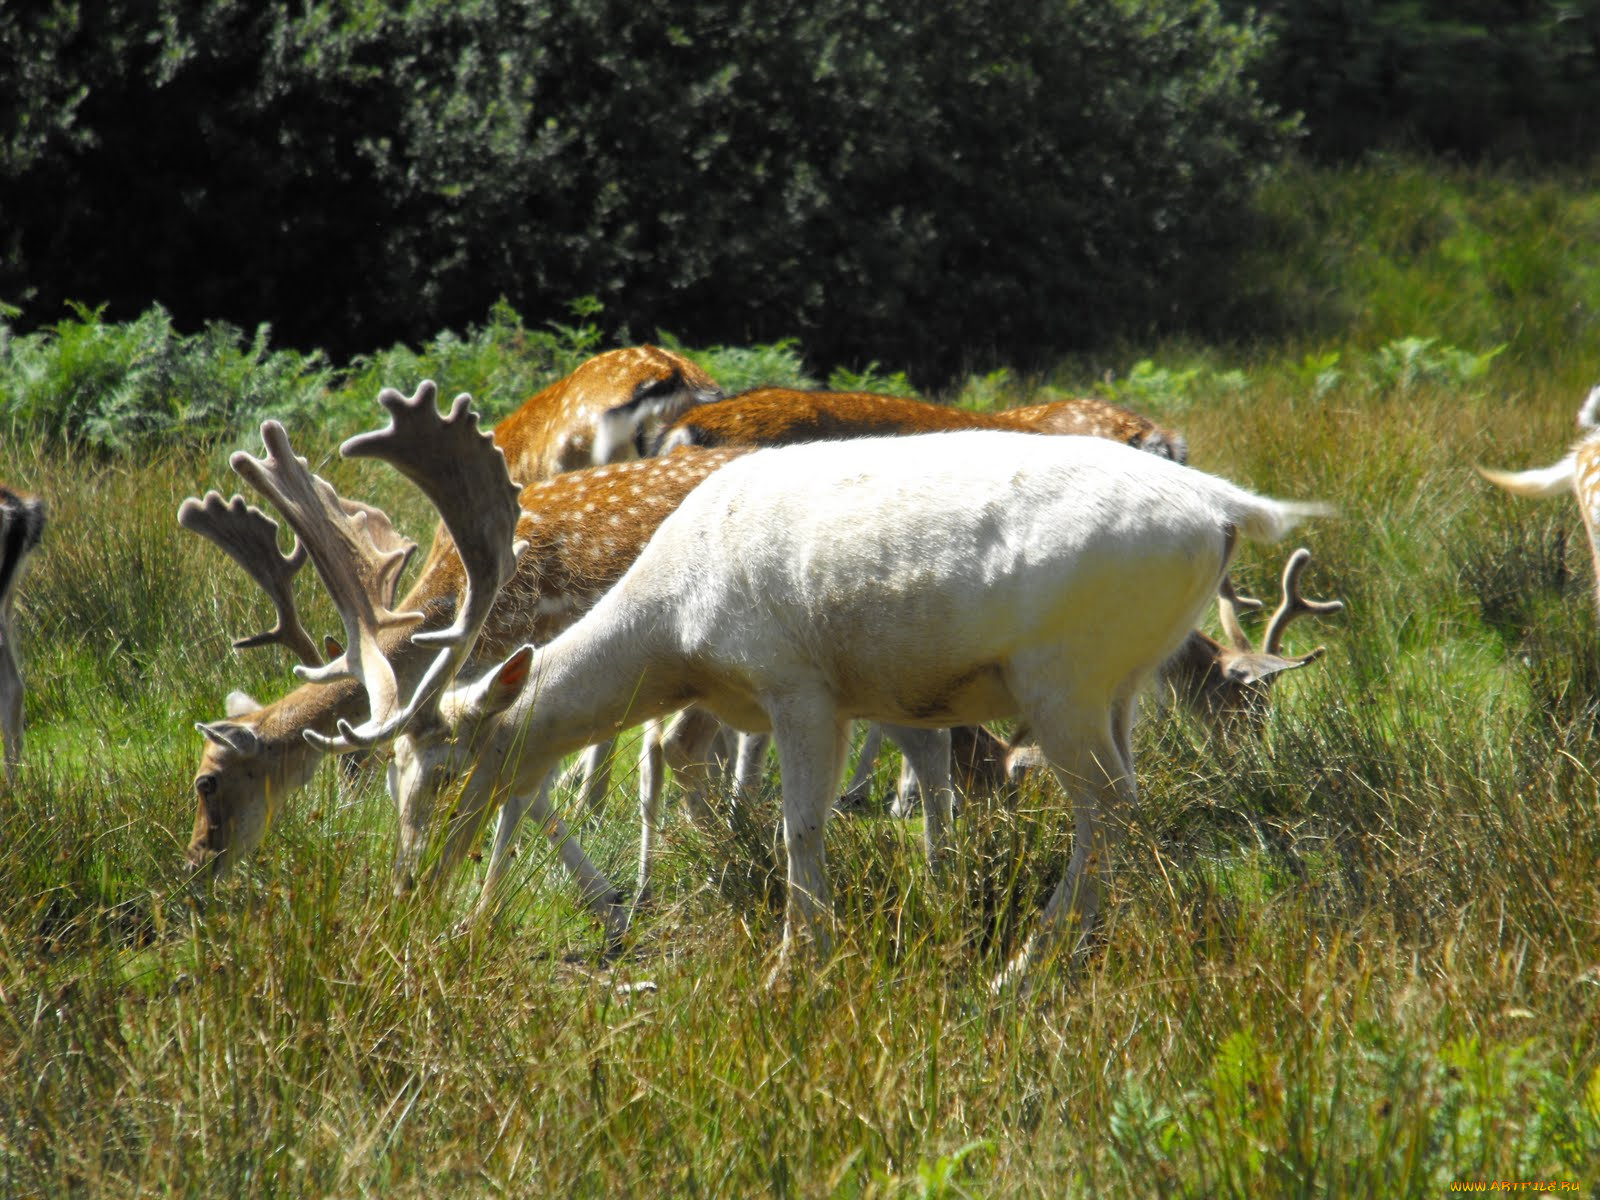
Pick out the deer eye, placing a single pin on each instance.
(206, 785)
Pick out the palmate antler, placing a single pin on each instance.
(248, 536)
(359, 556)
(463, 473)
(359, 572)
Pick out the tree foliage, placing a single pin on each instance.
(888, 182)
(1475, 78)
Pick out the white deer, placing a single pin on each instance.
(925, 581)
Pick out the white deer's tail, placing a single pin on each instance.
(1262, 519)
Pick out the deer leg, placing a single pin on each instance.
(10, 704)
(590, 774)
(687, 746)
(1083, 747)
(859, 790)
(750, 764)
(811, 751)
(505, 833)
(598, 894)
(926, 754)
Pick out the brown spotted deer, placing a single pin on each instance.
(1578, 472)
(253, 760)
(606, 411)
(926, 581)
(22, 521)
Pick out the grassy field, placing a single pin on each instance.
(1359, 957)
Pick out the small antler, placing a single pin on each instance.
(1295, 605)
(359, 560)
(461, 470)
(1229, 605)
(248, 536)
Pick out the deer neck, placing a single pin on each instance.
(612, 671)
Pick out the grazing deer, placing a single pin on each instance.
(252, 761)
(928, 581)
(22, 521)
(579, 532)
(1221, 683)
(1578, 472)
(1229, 686)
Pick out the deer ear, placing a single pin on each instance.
(1257, 667)
(241, 739)
(513, 673)
(496, 691)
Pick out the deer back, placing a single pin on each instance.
(786, 416)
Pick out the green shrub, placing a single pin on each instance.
(907, 185)
(111, 387)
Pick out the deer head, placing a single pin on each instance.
(1229, 684)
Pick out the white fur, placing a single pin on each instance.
(925, 581)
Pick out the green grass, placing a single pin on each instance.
(1360, 957)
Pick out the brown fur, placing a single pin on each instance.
(551, 432)
(554, 430)
(780, 416)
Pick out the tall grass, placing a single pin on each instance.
(1358, 957)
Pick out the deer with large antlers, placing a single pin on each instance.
(255, 758)
(22, 521)
(1578, 472)
(578, 533)
(925, 581)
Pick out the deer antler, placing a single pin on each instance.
(1295, 605)
(1229, 605)
(248, 536)
(387, 540)
(359, 560)
(461, 470)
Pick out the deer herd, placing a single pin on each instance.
(632, 548)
